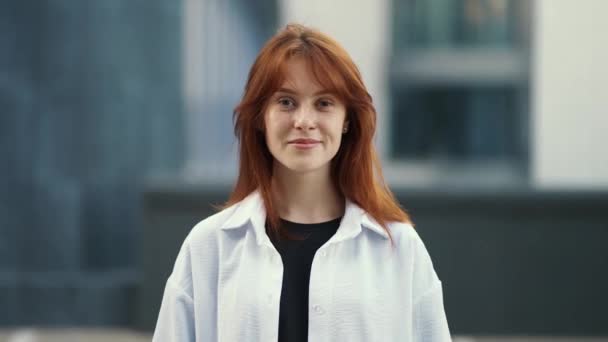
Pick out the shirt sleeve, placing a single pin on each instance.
(176, 317)
(430, 322)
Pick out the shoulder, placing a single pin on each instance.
(407, 240)
(200, 247)
(202, 238)
(410, 246)
(207, 229)
(405, 235)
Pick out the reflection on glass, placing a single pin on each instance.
(448, 23)
(458, 123)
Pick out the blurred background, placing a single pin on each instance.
(116, 136)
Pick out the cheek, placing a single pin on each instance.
(336, 127)
(274, 128)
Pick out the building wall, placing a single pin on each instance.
(568, 113)
(91, 104)
(570, 94)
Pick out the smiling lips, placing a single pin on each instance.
(304, 143)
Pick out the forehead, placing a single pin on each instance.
(312, 73)
(299, 75)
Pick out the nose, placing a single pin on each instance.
(305, 118)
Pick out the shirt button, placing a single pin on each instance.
(318, 309)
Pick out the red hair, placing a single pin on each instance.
(355, 170)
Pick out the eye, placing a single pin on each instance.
(325, 103)
(286, 102)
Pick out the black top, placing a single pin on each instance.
(297, 259)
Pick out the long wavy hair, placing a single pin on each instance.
(355, 170)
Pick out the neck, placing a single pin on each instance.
(309, 197)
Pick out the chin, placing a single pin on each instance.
(303, 167)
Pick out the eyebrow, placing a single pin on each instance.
(291, 91)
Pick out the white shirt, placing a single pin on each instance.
(226, 283)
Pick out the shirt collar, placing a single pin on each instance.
(251, 209)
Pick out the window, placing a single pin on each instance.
(459, 92)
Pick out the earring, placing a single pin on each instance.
(344, 130)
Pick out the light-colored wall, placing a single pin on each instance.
(363, 29)
(570, 94)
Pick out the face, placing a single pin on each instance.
(303, 122)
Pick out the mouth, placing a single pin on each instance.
(304, 143)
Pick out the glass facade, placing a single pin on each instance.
(459, 81)
(457, 122)
(447, 23)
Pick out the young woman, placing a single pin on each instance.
(311, 245)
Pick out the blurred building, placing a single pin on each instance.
(91, 103)
(116, 133)
(484, 139)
